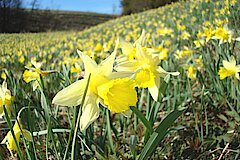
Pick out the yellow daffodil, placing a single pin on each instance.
(185, 35)
(98, 48)
(186, 52)
(229, 69)
(5, 98)
(149, 72)
(208, 33)
(3, 75)
(192, 72)
(129, 50)
(75, 68)
(112, 89)
(198, 43)
(9, 141)
(223, 34)
(33, 74)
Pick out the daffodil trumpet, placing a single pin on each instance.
(113, 90)
(148, 70)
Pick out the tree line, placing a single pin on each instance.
(15, 19)
(135, 6)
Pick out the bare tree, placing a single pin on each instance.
(35, 4)
(10, 3)
(8, 10)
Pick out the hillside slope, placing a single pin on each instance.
(13, 21)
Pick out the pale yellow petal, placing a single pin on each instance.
(132, 65)
(237, 75)
(35, 85)
(123, 74)
(106, 66)
(142, 39)
(229, 65)
(90, 112)
(141, 54)
(89, 64)
(4, 140)
(126, 47)
(36, 64)
(4, 87)
(71, 95)
(163, 73)
(233, 61)
(155, 89)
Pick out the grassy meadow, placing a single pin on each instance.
(161, 84)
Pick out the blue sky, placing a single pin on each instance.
(99, 6)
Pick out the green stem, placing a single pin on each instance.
(109, 132)
(78, 120)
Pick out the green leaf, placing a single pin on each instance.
(159, 134)
(133, 143)
(146, 123)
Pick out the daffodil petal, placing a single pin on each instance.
(35, 85)
(229, 65)
(4, 87)
(4, 140)
(140, 53)
(154, 92)
(89, 64)
(71, 95)
(126, 47)
(142, 39)
(36, 64)
(163, 73)
(106, 66)
(131, 65)
(123, 74)
(90, 112)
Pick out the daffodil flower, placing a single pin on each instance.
(112, 89)
(5, 98)
(75, 68)
(129, 49)
(229, 69)
(192, 72)
(33, 74)
(9, 140)
(223, 34)
(149, 72)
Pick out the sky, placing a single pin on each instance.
(99, 6)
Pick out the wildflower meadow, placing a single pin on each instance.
(160, 84)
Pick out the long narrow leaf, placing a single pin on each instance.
(146, 123)
(159, 134)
